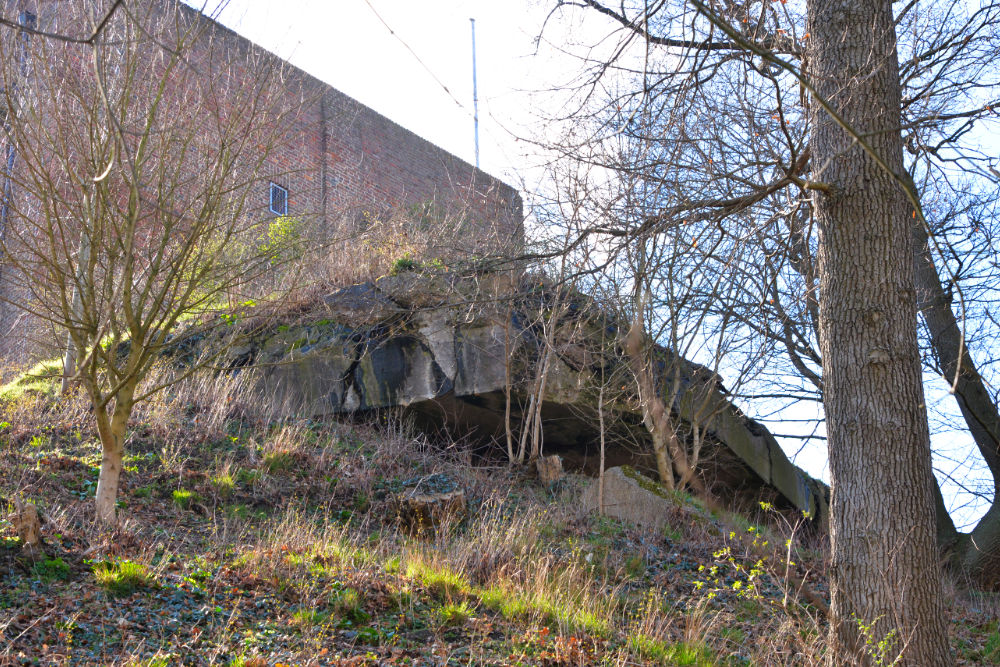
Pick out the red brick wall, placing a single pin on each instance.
(342, 159)
(342, 163)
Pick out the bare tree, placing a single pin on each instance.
(139, 151)
(732, 95)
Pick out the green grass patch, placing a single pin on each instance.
(310, 618)
(567, 613)
(348, 605)
(453, 615)
(51, 569)
(440, 581)
(991, 650)
(679, 654)
(279, 461)
(44, 378)
(184, 498)
(122, 577)
(224, 484)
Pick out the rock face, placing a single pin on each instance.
(453, 350)
(630, 496)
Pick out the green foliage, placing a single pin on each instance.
(307, 618)
(440, 581)
(51, 569)
(408, 263)
(224, 483)
(283, 240)
(347, 604)
(279, 461)
(122, 577)
(883, 650)
(681, 654)
(184, 498)
(991, 651)
(453, 614)
(403, 264)
(561, 609)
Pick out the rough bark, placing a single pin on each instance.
(885, 576)
(980, 553)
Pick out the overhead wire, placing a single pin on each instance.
(415, 56)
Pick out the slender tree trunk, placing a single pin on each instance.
(974, 399)
(113, 430)
(885, 576)
(655, 414)
(978, 554)
(600, 425)
(70, 356)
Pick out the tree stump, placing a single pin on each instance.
(28, 525)
(431, 503)
(550, 469)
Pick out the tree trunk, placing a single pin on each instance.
(974, 399)
(113, 430)
(977, 555)
(980, 554)
(885, 578)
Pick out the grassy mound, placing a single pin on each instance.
(244, 542)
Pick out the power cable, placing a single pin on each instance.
(415, 56)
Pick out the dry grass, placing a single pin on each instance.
(297, 516)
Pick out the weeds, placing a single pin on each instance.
(51, 569)
(184, 498)
(122, 578)
(276, 575)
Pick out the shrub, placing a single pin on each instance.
(404, 263)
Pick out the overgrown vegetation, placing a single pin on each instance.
(246, 541)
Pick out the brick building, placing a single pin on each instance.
(329, 160)
(343, 158)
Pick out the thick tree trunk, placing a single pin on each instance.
(885, 577)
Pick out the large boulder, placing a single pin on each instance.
(630, 496)
(460, 354)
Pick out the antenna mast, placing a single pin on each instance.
(475, 91)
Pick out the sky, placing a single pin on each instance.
(384, 51)
(412, 61)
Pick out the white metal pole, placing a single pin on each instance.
(475, 91)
